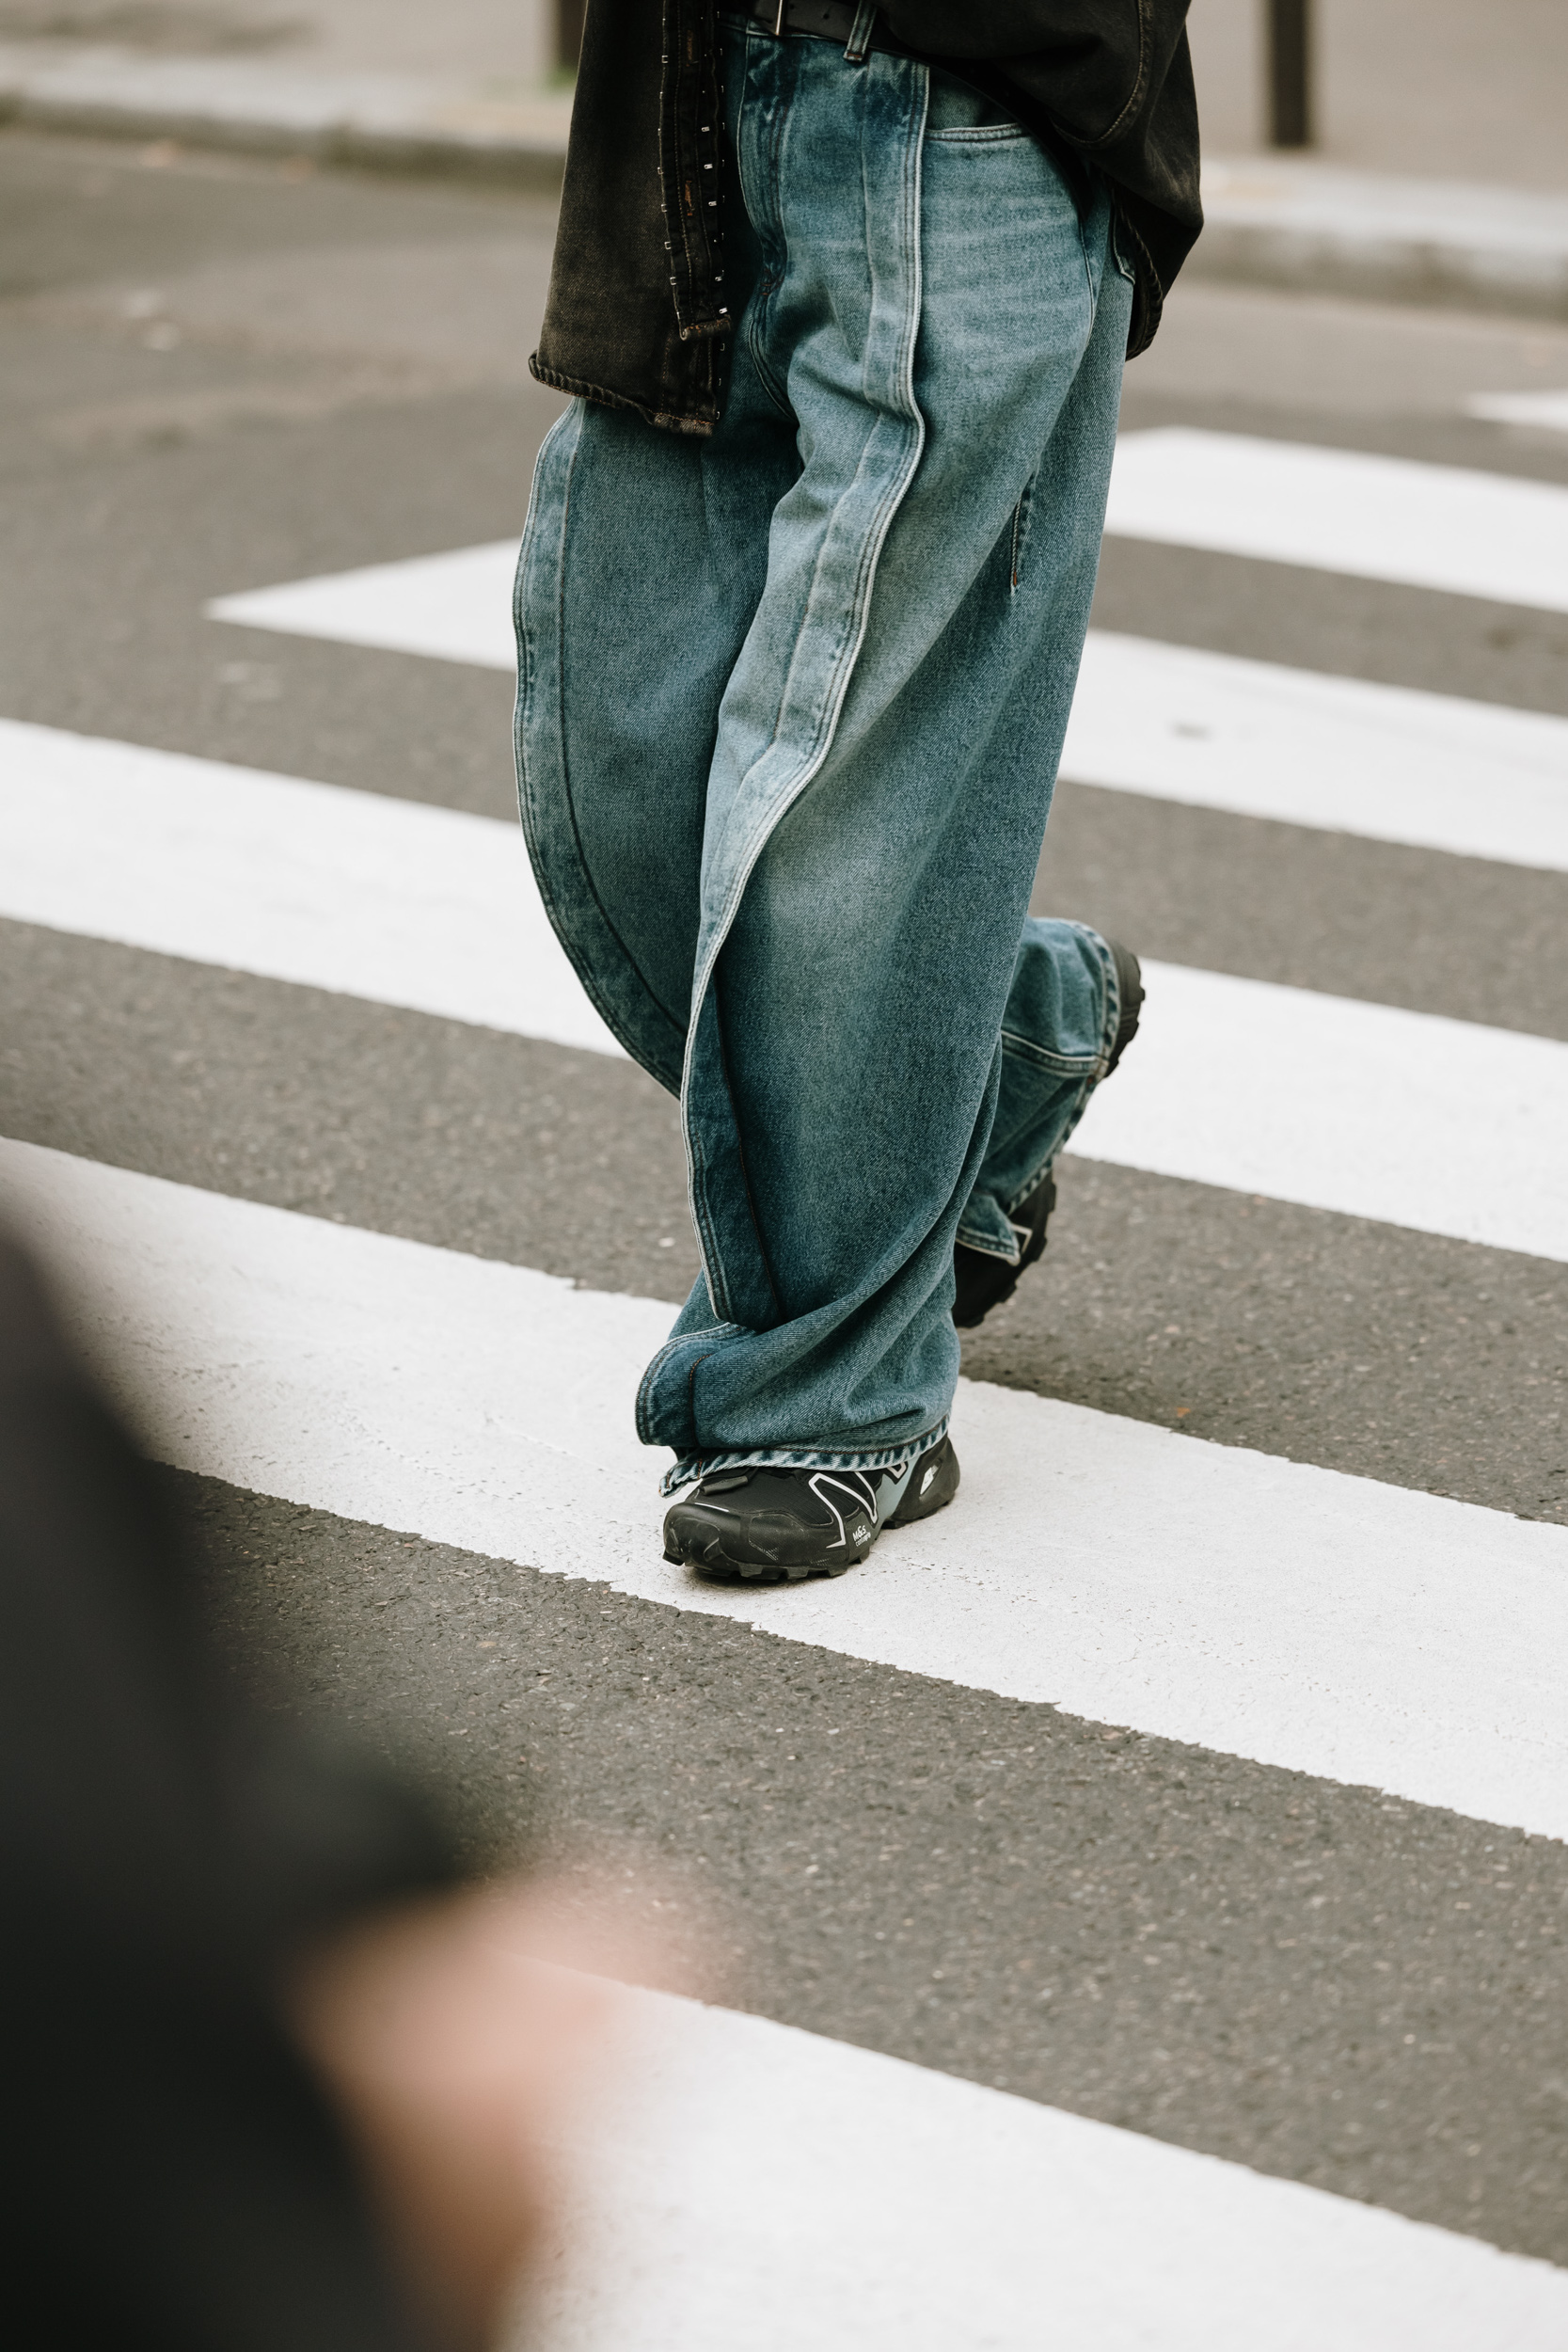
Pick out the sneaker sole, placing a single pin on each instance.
(704, 1551)
(716, 1567)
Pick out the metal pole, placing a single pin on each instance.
(1289, 72)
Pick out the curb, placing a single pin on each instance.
(378, 122)
(1297, 224)
(1446, 243)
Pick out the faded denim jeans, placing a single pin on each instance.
(791, 701)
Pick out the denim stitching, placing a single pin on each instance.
(767, 283)
(740, 1152)
(528, 807)
(984, 1246)
(1089, 1073)
(690, 1467)
(978, 135)
(707, 1237)
(843, 666)
(1056, 1065)
(1110, 1024)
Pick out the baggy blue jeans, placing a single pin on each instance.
(791, 701)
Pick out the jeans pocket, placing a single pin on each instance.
(959, 115)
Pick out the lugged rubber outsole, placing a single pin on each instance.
(720, 1569)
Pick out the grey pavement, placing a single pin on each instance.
(224, 373)
(1314, 1981)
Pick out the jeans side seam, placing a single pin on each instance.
(740, 1155)
(524, 709)
(841, 667)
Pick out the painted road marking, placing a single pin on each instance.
(1364, 1108)
(1339, 754)
(1265, 1609)
(961, 2215)
(1254, 737)
(453, 607)
(395, 901)
(1443, 1126)
(1446, 527)
(1392, 519)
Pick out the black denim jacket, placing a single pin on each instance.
(636, 310)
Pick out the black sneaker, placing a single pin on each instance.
(780, 1526)
(984, 1281)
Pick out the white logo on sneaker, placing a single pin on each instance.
(862, 1497)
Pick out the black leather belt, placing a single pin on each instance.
(821, 20)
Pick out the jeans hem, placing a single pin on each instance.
(989, 1249)
(691, 1466)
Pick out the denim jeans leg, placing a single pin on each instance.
(1058, 1034)
(864, 601)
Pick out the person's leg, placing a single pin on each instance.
(1053, 1055)
(642, 564)
(949, 336)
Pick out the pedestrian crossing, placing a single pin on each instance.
(1288, 1092)
(1203, 1593)
(1390, 518)
(394, 900)
(1169, 721)
(1360, 1634)
(1340, 754)
(779, 2189)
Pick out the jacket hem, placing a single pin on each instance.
(669, 421)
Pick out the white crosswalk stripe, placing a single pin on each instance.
(1304, 1097)
(1205, 1592)
(393, 900)
(451, 607)
(957, 2216)
(1391, 518)
(1341, 1105)
(1339, 754)
(1342, 755)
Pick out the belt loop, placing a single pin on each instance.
(859, 44)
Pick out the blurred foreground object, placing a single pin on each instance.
(183, 1914)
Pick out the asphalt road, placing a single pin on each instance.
(225, 376)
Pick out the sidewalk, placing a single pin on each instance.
(361, 91)
(1292, 221)
(493, 123)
